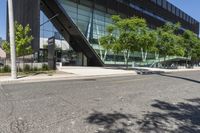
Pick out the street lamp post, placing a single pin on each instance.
(12, 40)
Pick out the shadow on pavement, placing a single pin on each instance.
(146, 71)
(112, 122)
(178, 77)
(173, 118)
(168, 118)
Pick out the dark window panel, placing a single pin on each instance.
(164, 4)
(169, 7)
(159, 2)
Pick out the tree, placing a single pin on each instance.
(147, 40)
(191, 44)
(169, 43)
(116, 49)
(195, 56)
(129, 33)
(108, 41)
(23, 39)
(6, 47)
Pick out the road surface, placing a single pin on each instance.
(154, 103)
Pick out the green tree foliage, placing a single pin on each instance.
(108, 41)
(169, 41)
(196, 52)
(192, 45)
(129, 31)
(6, 47)
(147, 41)
(23, 39)
(132, 34)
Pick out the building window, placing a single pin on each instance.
(173, 10)
(159, 2)
(164, 4)
(177, 12)
(169, 7)
(181, 14)
(184, 16)
(153, 1)
(86, 2)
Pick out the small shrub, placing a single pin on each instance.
(20, 69)
(45, 67)
(35, 69)
(6, 69)
(27, 68)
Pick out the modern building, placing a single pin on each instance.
(78, 24)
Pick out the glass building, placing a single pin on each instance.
(79, 24)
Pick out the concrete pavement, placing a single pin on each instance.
(167, 70)
(75, 72)
(95, 71)
(69, 73)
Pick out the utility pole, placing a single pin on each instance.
(12, 40)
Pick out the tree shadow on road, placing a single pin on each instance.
(183, 117)
(178, 77)
(111, 122)
(172, 118)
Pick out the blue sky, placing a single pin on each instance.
(3, 18)
(191, 7)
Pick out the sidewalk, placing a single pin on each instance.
(69, 73)
(94, 71)
(147, 69)
(74, 72)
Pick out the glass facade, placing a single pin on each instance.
(174, 10)
(92, 20)
(47, 30)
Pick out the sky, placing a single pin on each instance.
(191, 7)
(3, 19)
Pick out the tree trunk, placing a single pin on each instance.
(145, 56)
(115, 58)
(127, 59)
(105, 54)
(23, 61)
(142, 52)
(156, 56)
(101, 55)
(164, 61)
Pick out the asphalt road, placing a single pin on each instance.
(132, 104)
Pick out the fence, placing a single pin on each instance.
(21, 62)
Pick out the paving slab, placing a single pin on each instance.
(92, 71)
